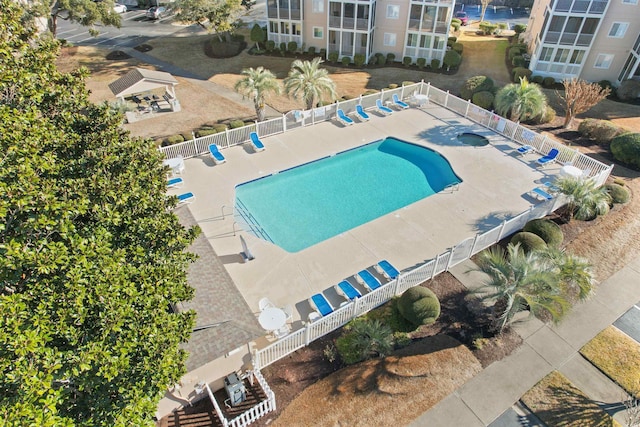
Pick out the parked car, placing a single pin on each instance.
(462, 16)
(156, 12)
(119, 8)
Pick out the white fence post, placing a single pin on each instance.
(396, 286)
(356, 308)
(450, 257)
(466, 112)
(307, 335)
(473, 247)
(446, 100)
(515, 128)
(504, 224)
(226, 136)
(284, 122)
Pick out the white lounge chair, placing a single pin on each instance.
(385, 268)
(362, 115)
(382, 109)
(347, 291)
(343, 118)
(175, 182)
(186, 198)
(539, 193)
(368, 280)
(525, 149)
(216, 155)
(549, 158)
(256, 142)
(398, 103)
(320, 304)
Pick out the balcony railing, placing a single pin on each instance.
(582, 6)
(284, 13)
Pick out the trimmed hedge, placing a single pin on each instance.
(235, 124)
(358, 59)
(452, 59)
(476, 84)
(521, 72)
(548, 81)
(601, 131)
(628, 90)
(626, 148)
(421, 63)
(333, 57)
(483, 99)
(435, 64)
(618, 193)
(346, 61)
(547, 230)
(419, 305)
(548, 116)
(457, 47)
(529, 242)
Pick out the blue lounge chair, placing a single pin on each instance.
(525, 149)
(398, 103)
(186, 198)
(368, 280)
(175, 182)
(539, 193)
(320, 304)
(216, 155)
(551, 187)
(381, 108)
(347, 290)
(549, 158)
(385, 268)
(362, 115)
(255, 141)
(344, 119)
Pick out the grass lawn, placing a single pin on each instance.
(618, 356)
(557, 402)
(385, 391)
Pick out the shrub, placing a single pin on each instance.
(391, 57)
(518, 61)
(283, 47)
(358, 59)
(204, 132)
(519, 28)
(292, 46)
(393, 85)
(174, 139)
(235, 124)
(421, 63)
(476, 84)
(452, 39)
(548, 116)
(333, 57)
(529, 242)
(514, 51)
(483, 99)
(626, 148)
(369, 92)
(503, 26)
(220, 127)
(618, 193)
(364, 339)
(270, 45)
(457, 47)
(547, 230)
(548, 81)
(452, 59)
(401, 339)
(346, 61)
(537, 79)
(604, 84)
(381, 59)
(407, 83)
(487, 27)
(520, 72)
(406, 61)
(312, 51)
(419, 305)
(628, 90)
(456, 21)
(455, 26)
(323, 53)
(435, 64)
(373, 60)
(601, 131)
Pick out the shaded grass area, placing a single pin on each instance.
(618, 356)
(384, 391)
(557, 402)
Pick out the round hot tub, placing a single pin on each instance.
(473, 139)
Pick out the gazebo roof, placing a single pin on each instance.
(140, 80)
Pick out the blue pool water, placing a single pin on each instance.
(302, 206)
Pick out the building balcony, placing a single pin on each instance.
(596, 7)
(361, 24)
(293, 14)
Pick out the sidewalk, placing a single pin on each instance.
(545, 348)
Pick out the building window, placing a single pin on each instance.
(604, 61)
(545, 54)
(389, 39)
(318, 6)
(618, 29)
(629, 1)
(393, 11)
(318, 32)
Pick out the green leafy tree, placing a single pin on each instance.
(309, 82)
(521, 102)
(585, 200)
(91, 257)
(216, 16)
(519, 281)
(84, 12)
(257, 35)
(257, 83)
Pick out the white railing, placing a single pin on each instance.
(252, 414)
(443, 262)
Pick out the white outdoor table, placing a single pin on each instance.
(272, 318)
(569, 170)
(176, 164)
(421, 99)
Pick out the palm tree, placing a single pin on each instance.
(309, 82)
(574, 272)
(522, 102)
(256, 84)
(585, 200)
(519, 281)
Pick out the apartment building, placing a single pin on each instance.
(588, 39)
(414, 28)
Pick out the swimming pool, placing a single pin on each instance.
(307, 204)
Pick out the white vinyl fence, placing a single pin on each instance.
(300, 118)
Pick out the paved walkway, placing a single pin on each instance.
(497, 388)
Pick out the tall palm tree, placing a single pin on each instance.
(308, 81)
(519, 281)
(573, 271)
(521, 102)
(585, 200)
(256, 84)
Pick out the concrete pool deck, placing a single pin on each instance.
(495, 184)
